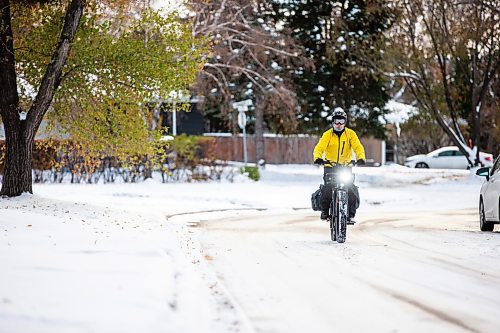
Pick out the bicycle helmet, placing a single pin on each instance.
(339, 119)
(339, 113)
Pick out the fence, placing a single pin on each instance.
(293, 149)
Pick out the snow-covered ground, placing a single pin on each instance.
(122, 257)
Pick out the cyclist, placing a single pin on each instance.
(336, 145)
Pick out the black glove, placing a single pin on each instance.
(360, 162)
(319, 161)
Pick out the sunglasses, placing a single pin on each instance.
(339, 121)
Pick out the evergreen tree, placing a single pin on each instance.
(345, 39)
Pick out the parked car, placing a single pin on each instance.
(489, 197)
(445, 158)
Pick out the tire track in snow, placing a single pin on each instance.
(426, 308)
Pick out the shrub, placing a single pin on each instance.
(251, 171)
(186, 158)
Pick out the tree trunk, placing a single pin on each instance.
(17, 177)
(474, 111)
(259, 134)
(17, 162)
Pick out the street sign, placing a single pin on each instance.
(243, 105)
(242, 119)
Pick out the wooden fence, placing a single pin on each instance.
(293, 149)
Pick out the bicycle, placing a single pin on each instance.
(340, 178)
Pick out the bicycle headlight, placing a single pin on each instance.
(345, 177)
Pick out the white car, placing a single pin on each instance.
(445, 158)
(489, 197)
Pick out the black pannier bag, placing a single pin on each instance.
(316, 199)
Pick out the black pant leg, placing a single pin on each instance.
(326, 192)
(326, 197)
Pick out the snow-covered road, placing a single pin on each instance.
(398, 272)
(144, 257)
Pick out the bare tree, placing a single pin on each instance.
(447, 54)
(250, 60)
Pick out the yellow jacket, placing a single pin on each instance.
(339, 149)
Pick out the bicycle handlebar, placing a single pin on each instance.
(351, 163)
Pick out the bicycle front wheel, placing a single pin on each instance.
(341, 216)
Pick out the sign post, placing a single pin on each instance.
(174, 121)
(242, 107)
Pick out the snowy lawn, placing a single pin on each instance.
(115, 257)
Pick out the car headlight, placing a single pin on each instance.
(345, 177)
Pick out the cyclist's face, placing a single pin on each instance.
(338, 124)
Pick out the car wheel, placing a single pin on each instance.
(421, 165)
(483, 224)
